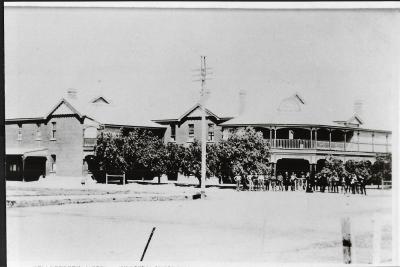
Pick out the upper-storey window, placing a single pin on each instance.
(53, 130)
(38, 133)
(173, 133)
(191, 132)
(19, 137)
(210, 132)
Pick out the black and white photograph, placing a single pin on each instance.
(200, 134)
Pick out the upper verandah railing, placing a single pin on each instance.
(326, 145)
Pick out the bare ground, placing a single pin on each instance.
(228, 226)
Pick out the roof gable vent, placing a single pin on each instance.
(100, 100)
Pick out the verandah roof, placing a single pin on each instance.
(27, 152)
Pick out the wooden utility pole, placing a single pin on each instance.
(203, 127)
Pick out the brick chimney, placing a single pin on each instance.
(72, 93)
(242, 101)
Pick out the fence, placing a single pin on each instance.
(386, 184)
(121, 176)
(349, 237)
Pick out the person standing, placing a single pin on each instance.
(280, 182)
(292, 181)
(348, 182)
(267, 181)
(286, 180)
(316, 181)
(273, 182)
(308, 183)
(336, 183)
(363, 182)
(250, 181)
(323, 182)
(255, 182)
(342, 183)
(238, 181)
(353, 183)
(262, 182)
(330, 183)
(303, 181)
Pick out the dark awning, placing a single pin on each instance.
(28, 152)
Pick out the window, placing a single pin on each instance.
(13, 167)
(173, 133)
(191, 132)
(211, 132)
(53, 130)
(38, 133)
(19, 132)
(53, 163)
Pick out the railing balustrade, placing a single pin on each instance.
(89, 141)
(326, 145)
(292, 143)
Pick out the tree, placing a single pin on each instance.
(109, 157)
(250, 152)
(359, 168)
(220, 158)
(333, 164)
(173, 155)
(350, 166)
(191, 162)
(152, 155)
(137, 153)
(381, 169)
(144, 153)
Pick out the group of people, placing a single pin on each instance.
(349, 183)
(281, 182)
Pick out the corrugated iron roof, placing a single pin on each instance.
(109, 114)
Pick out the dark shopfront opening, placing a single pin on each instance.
(29, 170)
(292, 165)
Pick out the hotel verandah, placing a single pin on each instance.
(60, 141)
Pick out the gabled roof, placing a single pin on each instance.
(291, 103)
(301, 99)
(296, 112)
(194, 111)
(196, 108)
(100, 99)
(108, 115)
(64, 107)
(355, 120)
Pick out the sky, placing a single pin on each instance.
(145, 59)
